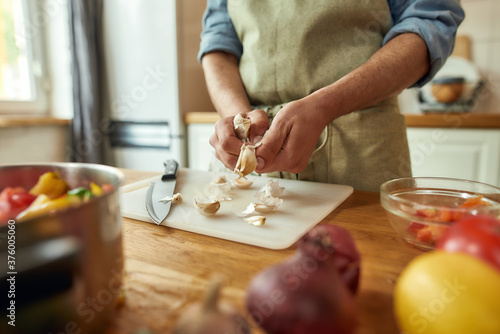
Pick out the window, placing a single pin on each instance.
(21, 61)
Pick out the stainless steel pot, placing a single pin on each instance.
(67, 269)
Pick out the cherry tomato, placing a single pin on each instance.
(478, 236)
(12, 202)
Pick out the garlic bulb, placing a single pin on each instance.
(247, 162)
(175, 199)
(211, 316)
(206, 207)
(241, 127)
(256, 220)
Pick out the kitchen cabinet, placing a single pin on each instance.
(472, 154)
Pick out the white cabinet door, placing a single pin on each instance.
(200, 152)
(472, 154)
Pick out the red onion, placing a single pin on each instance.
(307, 293)
(336, 240)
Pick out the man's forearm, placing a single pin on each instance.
(396, 66)
(224, 83)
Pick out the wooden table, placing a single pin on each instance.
(167, 269)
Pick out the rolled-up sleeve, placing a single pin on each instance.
(218, 32)
(436, 21)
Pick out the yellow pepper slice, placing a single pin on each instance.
(95, 189)
(44, 205)
(50, 184)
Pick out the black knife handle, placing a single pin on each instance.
(171, 168)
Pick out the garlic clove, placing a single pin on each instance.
(247, 162)
(243, 182)
(175, 199)
(206, 207)
(256, 220)
(241, 126)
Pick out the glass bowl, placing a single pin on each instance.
(420, 209)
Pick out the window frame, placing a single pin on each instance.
(36, 20)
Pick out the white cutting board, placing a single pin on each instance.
(304, 205)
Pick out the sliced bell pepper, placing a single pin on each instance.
(50, 184)
(95, 189)
(44, 205)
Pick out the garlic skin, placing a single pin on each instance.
(256, 207)
(241, 127)
(261, 208)
(175, 199)
(248, 211)
(206, 207)
(269, 194)
(269, 200)
(256, 220)
(220, 189)
(247, 162)
(273, 188)
(243, 182)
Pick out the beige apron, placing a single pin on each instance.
(292, 48)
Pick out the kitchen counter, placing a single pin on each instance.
(167, 269)
(17, 121)
(444, 120)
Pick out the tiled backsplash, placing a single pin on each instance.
(482, 26)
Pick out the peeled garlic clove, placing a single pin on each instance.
(243, 183)
(206, 207)
(256, 220)
(247, 162)
(241, 126)
(175, 199)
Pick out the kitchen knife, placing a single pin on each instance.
(158, 210)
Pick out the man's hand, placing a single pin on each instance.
(291, 139)
(227, 145)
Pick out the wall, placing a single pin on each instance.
(482, 26)
(192, 88)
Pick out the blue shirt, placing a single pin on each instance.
(436, 21)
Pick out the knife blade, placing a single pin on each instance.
(158, 190)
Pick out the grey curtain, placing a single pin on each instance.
(88, 144)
